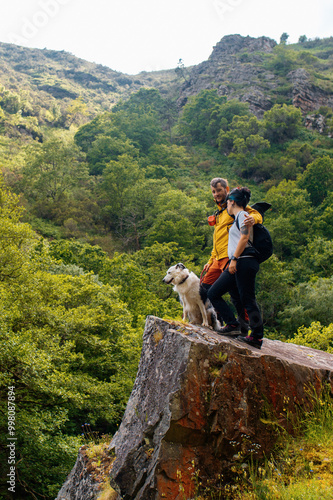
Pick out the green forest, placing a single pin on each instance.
(96, 204)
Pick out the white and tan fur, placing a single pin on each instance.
(187, 285)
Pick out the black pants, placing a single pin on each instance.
(241, 287)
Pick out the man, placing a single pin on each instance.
(219, 256)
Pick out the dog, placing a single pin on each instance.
(196, 307)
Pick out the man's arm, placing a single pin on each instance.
(254, 217)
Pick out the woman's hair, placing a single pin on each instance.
(241, 196)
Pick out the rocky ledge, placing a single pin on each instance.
(200, 399)
(200, 402)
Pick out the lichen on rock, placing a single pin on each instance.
(200, 400)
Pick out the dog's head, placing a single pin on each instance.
(175, 274)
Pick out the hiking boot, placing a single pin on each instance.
(230, 330)
(244, 326)
(250, 340)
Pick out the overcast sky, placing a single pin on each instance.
(146, 35)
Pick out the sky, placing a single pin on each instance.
(131, 36)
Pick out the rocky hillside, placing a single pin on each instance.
(42, 83)
(262, 73)
(254, 70)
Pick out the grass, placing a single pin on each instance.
(99, 464)
(302, 467)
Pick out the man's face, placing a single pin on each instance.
(219, 193)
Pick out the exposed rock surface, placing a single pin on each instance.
(236, 69)
(316, 122)
(80, 484)
(306, 96)
(233, 44)
(199, 399)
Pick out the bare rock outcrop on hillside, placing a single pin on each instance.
(305, 95)
(236, 69)
(80, 484)
(199, 399)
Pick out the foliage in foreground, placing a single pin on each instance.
(68, 352)
(302, 469)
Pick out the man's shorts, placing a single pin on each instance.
(215, 271)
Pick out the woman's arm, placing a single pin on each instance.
(244, 238)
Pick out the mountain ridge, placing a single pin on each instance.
(254, 70)
(262, 73)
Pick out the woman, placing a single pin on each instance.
(239, 277)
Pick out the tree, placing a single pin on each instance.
(316, 259)
(317, 179)
(68, 348)
(142, 128)
(77, 111)
(181, 70)
(275, 282)
(52, 169)
(180, 221)
(284, 60)
(139, 277)
(174, 160)
(116, 186)
(201, 116)
(290, 218)
(315, 336)
(107, 148)
(302, 39)
(241, 127)
(282, 123)
(101, 125)
(309, 302)
(89, 258)
(284, 37)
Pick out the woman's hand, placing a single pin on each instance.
(206, 267)
(232, 267)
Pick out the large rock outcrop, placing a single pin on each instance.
(236, 68)
(200, 399)
(80, 483)
(305, 95)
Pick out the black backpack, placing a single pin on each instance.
(262, 240)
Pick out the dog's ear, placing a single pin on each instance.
(180, 266)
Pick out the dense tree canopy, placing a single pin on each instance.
(110, 204)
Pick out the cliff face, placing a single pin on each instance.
(236, 69)
(199, 402)
(307, 96)
(80, 483)
(200, 399)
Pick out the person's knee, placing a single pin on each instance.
(211, 295)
